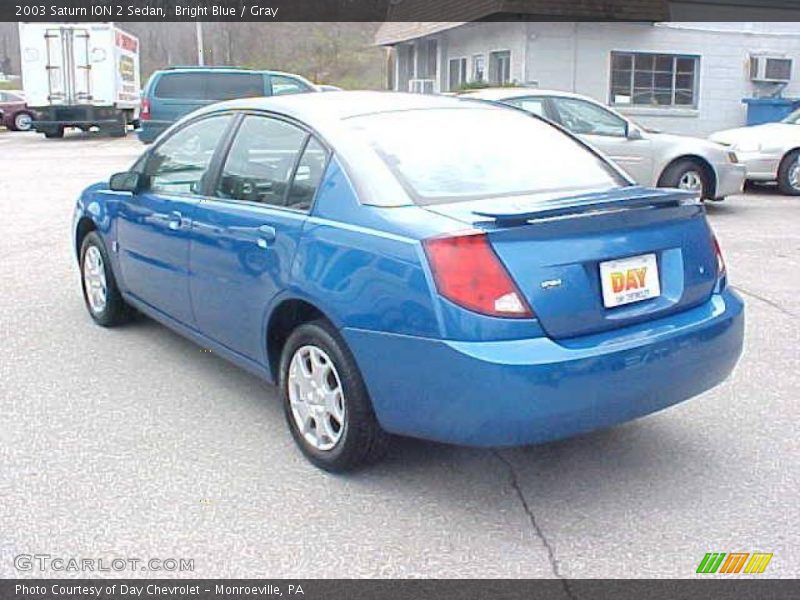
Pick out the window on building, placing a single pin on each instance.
(457, 73)
(646, 79)
(500, 67)
(478, 68)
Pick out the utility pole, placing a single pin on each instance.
(199, 32)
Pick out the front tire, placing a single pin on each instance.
(789, 174)
(688, 174)
(100, 292)
(326, 403)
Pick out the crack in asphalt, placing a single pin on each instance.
(771, 303)
(551, 555)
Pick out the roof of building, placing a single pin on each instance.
(428, 17)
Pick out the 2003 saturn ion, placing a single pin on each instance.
(414, 265)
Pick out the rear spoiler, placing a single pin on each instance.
(583, 204)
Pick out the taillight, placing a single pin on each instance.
(720, 260)
(468, 272)
(144, 113)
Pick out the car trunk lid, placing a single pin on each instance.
(553, 247)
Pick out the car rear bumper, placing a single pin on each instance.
(149, 130)
(80, 115)
(528, 391)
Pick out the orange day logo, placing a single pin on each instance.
(632, 279)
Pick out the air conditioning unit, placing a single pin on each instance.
(774, 69)
(421, 86)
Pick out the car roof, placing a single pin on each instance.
(312, 108)
(502, 93)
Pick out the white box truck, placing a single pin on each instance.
(80, 75)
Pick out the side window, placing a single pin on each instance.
(309, 173)
(282, 85)
(261, 160)
(179, 165)
(529, 104)
(228, 86)
(583, 117)
(180, 85)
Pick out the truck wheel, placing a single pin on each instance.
(118, 130)
(23, 121)
(56, 133)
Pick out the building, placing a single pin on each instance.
(680, 77)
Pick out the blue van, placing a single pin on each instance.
(172, 93)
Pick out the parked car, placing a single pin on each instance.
(173, 93)
(14, 111)
(652, 158)
(771, 152)
(392, 276)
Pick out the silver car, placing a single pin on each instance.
(771, 152)
(651, 158)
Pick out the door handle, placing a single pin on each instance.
(175, 220)
(266, 235)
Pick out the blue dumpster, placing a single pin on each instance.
(769, 110)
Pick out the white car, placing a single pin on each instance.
(651, 158)
(771, 152)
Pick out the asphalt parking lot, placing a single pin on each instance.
(136, 443)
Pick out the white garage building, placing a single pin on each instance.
(680, 77)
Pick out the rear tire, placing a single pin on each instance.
(351, 436)
(688, 174)
(100, 292)
(789, 174)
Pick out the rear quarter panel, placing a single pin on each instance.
(361, 266)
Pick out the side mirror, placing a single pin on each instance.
(632, 132)
(127, 181)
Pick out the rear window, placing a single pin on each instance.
(209, 86)
(453, 154)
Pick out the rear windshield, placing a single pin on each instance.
(453, 154)
(209, 86)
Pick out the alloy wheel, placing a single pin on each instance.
(316, 397)
(794, 174)
(692, 181)
(94, 280)
(23, 122)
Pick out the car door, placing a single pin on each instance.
(246, 235)
(154, 225)
(609, 133)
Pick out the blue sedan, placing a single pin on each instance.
(412, 265)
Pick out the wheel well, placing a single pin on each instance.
(701, 162)
(85, 227)
(786, 155)
(286, 318)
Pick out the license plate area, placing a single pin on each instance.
(629, 280)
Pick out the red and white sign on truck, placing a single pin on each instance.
(80, 75)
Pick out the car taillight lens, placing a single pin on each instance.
(468, 272)
(720, 260)
(144, 113)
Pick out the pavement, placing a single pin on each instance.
(134, 443)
